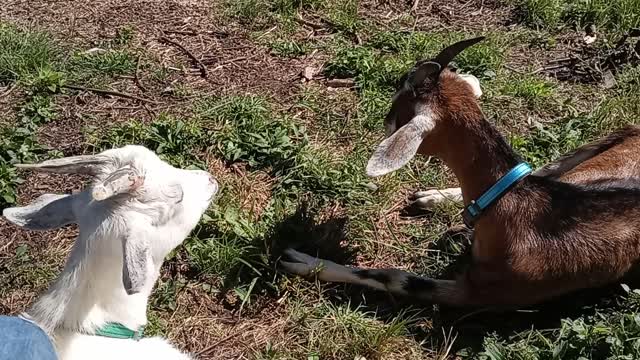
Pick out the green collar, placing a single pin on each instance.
(119, 331)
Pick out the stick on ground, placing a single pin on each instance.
(136, 78)
(196, 61)
(110, 92)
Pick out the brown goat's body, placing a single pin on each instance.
(566, 229)
(571, 225)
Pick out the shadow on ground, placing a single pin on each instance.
(300, 231)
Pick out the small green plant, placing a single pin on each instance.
(99, 64)
(24, 53)
(174, 140)
(250, 132)
(290, 6)
(124, 35)
(343, 15)
(533, 90)
(542, 13)
(248, 12)
(288, 48)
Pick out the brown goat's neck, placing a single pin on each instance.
(477, 154)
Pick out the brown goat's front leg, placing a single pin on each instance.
(390, 280)
(428, 199)
(486, 289)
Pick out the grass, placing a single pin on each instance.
(291, 173)
(617, 16)
(24, 53)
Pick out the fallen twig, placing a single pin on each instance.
(194, 33)
(547, 68)
(136, 77)
(221, 64)
(514, 69)
(197, 62)
(309, 23)
(208, 348)
(340, 83)
(110, 92)
(414, 7)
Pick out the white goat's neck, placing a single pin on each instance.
(89, 292)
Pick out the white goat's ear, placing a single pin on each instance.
(49, 211)
(474, 83)
(398, 149)
(83, 164)
(137, 265)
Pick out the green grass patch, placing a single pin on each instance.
(18, 142)
(380, 62)
(617, 16)
(607, 334)
(24, 53)
(99, 65)
(530, 88)
(288, 48)
(174, 140)
(342, 332)
(548, 141)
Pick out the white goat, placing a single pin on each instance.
(138, 209)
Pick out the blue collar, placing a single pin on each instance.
(472, 212)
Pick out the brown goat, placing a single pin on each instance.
(570, 225)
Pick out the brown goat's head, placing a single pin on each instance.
(416, 108)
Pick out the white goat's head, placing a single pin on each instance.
(138, 201)
(425, 95)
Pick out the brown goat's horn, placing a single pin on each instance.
(450, 52)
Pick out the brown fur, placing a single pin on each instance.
(570, 225)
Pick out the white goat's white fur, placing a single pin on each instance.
(116, 258)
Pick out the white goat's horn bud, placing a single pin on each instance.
(123, 180)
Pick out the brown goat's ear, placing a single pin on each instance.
(398, 149)
(421, 72)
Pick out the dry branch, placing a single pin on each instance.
(194, 33)
(208, 348)
(340, 83)
(196, 61)
(136, 77)
(414, 7)
(309, 23)
(110, 92)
